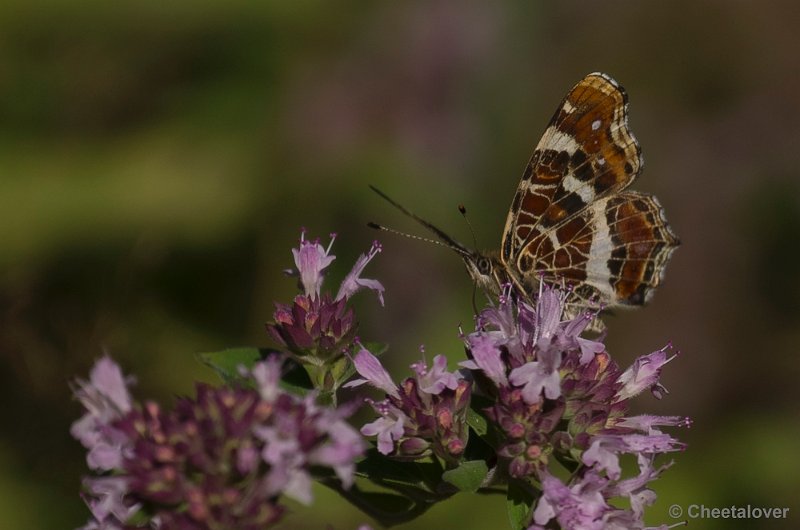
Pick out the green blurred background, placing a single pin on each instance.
(157, 160)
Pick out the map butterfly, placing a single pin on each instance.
(572, 219)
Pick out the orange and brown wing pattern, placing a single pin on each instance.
(569, 218)
(618, 248)
(586, 152)
(640, 242)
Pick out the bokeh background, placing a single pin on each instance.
(158, 159)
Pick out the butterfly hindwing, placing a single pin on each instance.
(640, 243)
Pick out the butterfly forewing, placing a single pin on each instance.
(569, 219)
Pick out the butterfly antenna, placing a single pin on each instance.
(463, 210)
(376, 226)
(444, 239)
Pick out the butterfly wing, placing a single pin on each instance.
(618, 246)
(566, 220)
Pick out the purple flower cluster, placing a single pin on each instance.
(554, 413)
(316, 327)
(560, 398)
(423, 415)
(219, 460)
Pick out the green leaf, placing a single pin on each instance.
(389, 509)
(227, 362)
(295, 378)
(519, 503)
(477, 422)
(384, 470)
(409, 488)
(468, 476)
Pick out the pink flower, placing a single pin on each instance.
(389, 427)
(644, 373)
(354, 282)
(486, 357)
(372, 371)
(311, 259)
(537, 377)
(106, 399)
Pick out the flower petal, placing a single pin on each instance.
(370, 368)
(311, 259)
(486, 355)
(353, 281)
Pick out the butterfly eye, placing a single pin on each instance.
(484, 265)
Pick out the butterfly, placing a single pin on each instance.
(572, 220)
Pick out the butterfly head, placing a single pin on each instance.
(486, 271)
